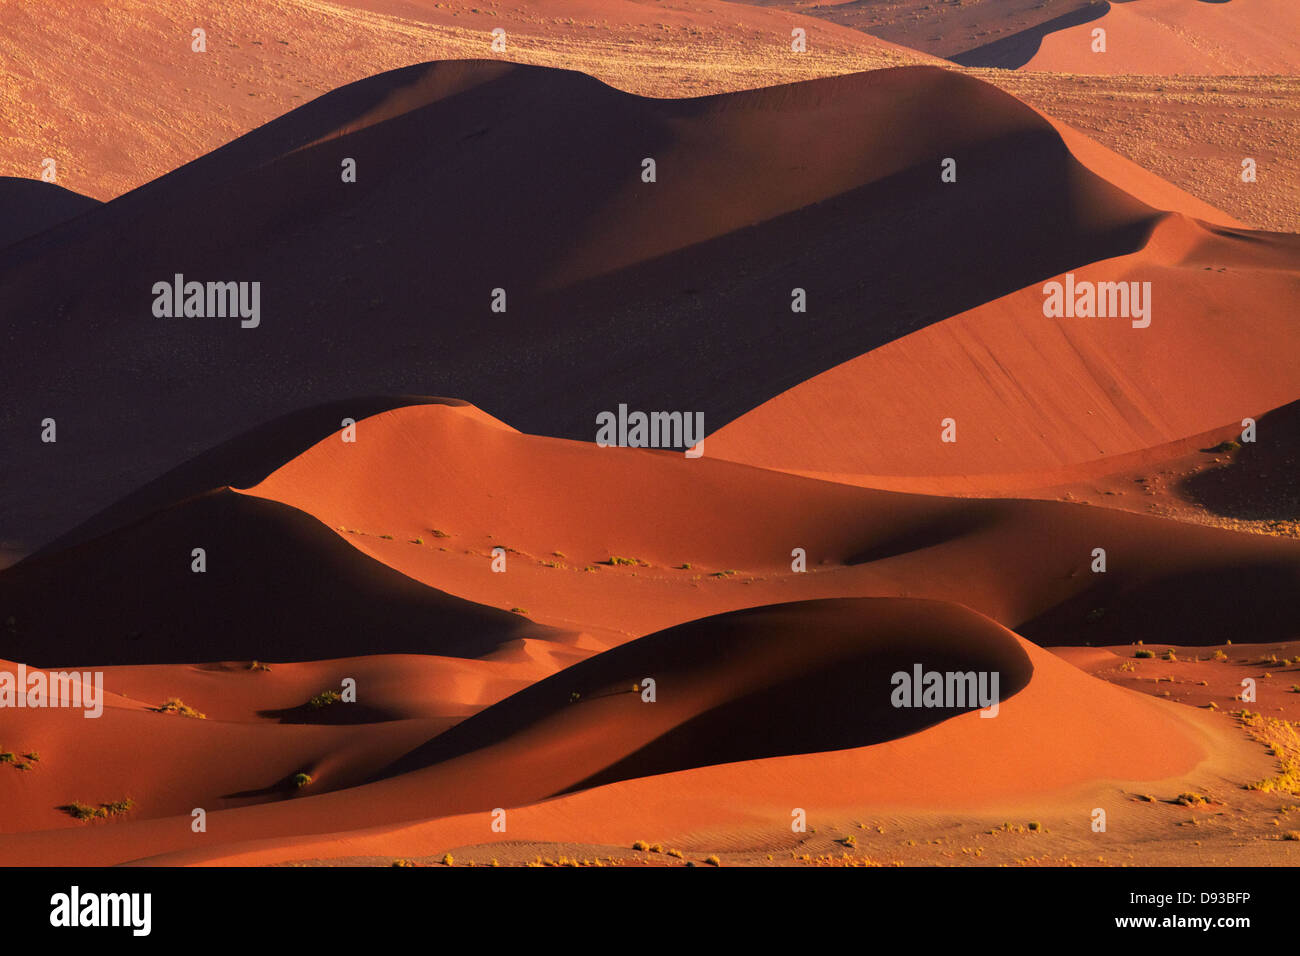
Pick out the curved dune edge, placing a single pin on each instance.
(148, 74)
(1177, 454)
(1171, 37)
(1064, 736)
(1032, 393)
(1140, 183)
(249, 458)
(1063, 732)
(260, 715)
(130, 597)
(564, 509)
(30, 206)
(862, 162)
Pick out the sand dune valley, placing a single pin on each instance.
(646, 433)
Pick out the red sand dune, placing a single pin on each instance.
(244, 460)
(1199, 37)
(1236, 38)
(563, 509)
(1211, 478)
(133, 597)
(373, 560)
(263, 59)
(495, 760)
(831, 186)
(1005, 33)
(258, 731)
(1031, 393)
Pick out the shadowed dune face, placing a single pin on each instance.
(832, 186)
(240, 462)
(277, 585)
(1194, 607)
(1261, 479)
(765, 682)
(29, 207)
(1014, 51)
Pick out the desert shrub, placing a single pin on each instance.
(174, 705)
(84, 812)
(81, 811)
(1144, 653)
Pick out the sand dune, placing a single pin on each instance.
(258, 67)
(831, 186)
(564, 510)
(133, 596)
(1002, 34)
(1158, 37)
(613, 644)
(28, 207)
(1210, 478)
(1130, 737)
(157, 104)
(1235, 38)
(1031, 393)
(244, 460)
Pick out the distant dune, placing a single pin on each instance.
(1005, 33)
(157, 104)
(1203, 37)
